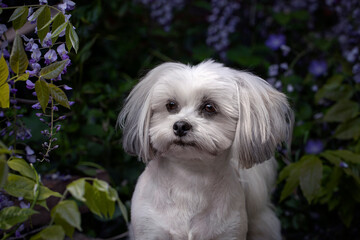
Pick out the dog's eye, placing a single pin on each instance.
(209, 108)
(171, 106)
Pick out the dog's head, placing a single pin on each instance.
(204, 110)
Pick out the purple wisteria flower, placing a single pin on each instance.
(223, 21)
(162, 10)
(30, 85)
(47, 41)
(356, 72)
(275, 41)
(318, 67)
(314, 146)
(343, 165)
(66, 87)
(30, 45)
(36, 106)
(43, 2)
(273, 70)
(36, 68)
(35, 56)
(67, 5)
(3, 5)
(5, 201)
(50, 56)
(3, 29)
(62, 52)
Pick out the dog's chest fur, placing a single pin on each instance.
(199, 199)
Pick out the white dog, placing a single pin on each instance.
(203, 131)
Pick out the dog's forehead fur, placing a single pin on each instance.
(194, 84)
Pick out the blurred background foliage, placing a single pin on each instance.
(307, 49)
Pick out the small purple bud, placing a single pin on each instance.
(2, 114)
(30, 85)
(62, 117)
(343, 165)
(36, 106)
(66, 87)
(71, 103)
(58, 127)
(13, 90)
(29, 151)
(39, 114)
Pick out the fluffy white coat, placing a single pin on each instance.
(209, 180)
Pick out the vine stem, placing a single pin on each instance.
(36, 187)
(51, 130)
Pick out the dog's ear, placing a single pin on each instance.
(134, 118)
(265, 120)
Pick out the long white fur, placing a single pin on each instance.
(219, 186)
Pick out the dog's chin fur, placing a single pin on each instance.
(210, 180)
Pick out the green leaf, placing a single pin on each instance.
(47, 24)
(36, 14)
(20, 21)
(4, 86)
(58, 26)
(347, 156)
(3, 172)
(342, 111)
(19, 186)
(18, 58)
(69, 230)
(18, 12)
(328, 155)
(13, 215)
(59, 95)
(348, 130)
(54, 232)
(310, 176)
(346, 212)
(287, 171)
(43, 22)
(77, 189)
(53, 70)
(42, 93)
(334, 93)
(68, 211)
(4, 96)
(103, 186)
(67, 38)
(59, 30)
(22, 77)
(123, 210)
(74, 39)
(4, 71)
(332, 184)
(22, 167)
(98, 202)
(292, 182)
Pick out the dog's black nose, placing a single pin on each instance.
(181, 128)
